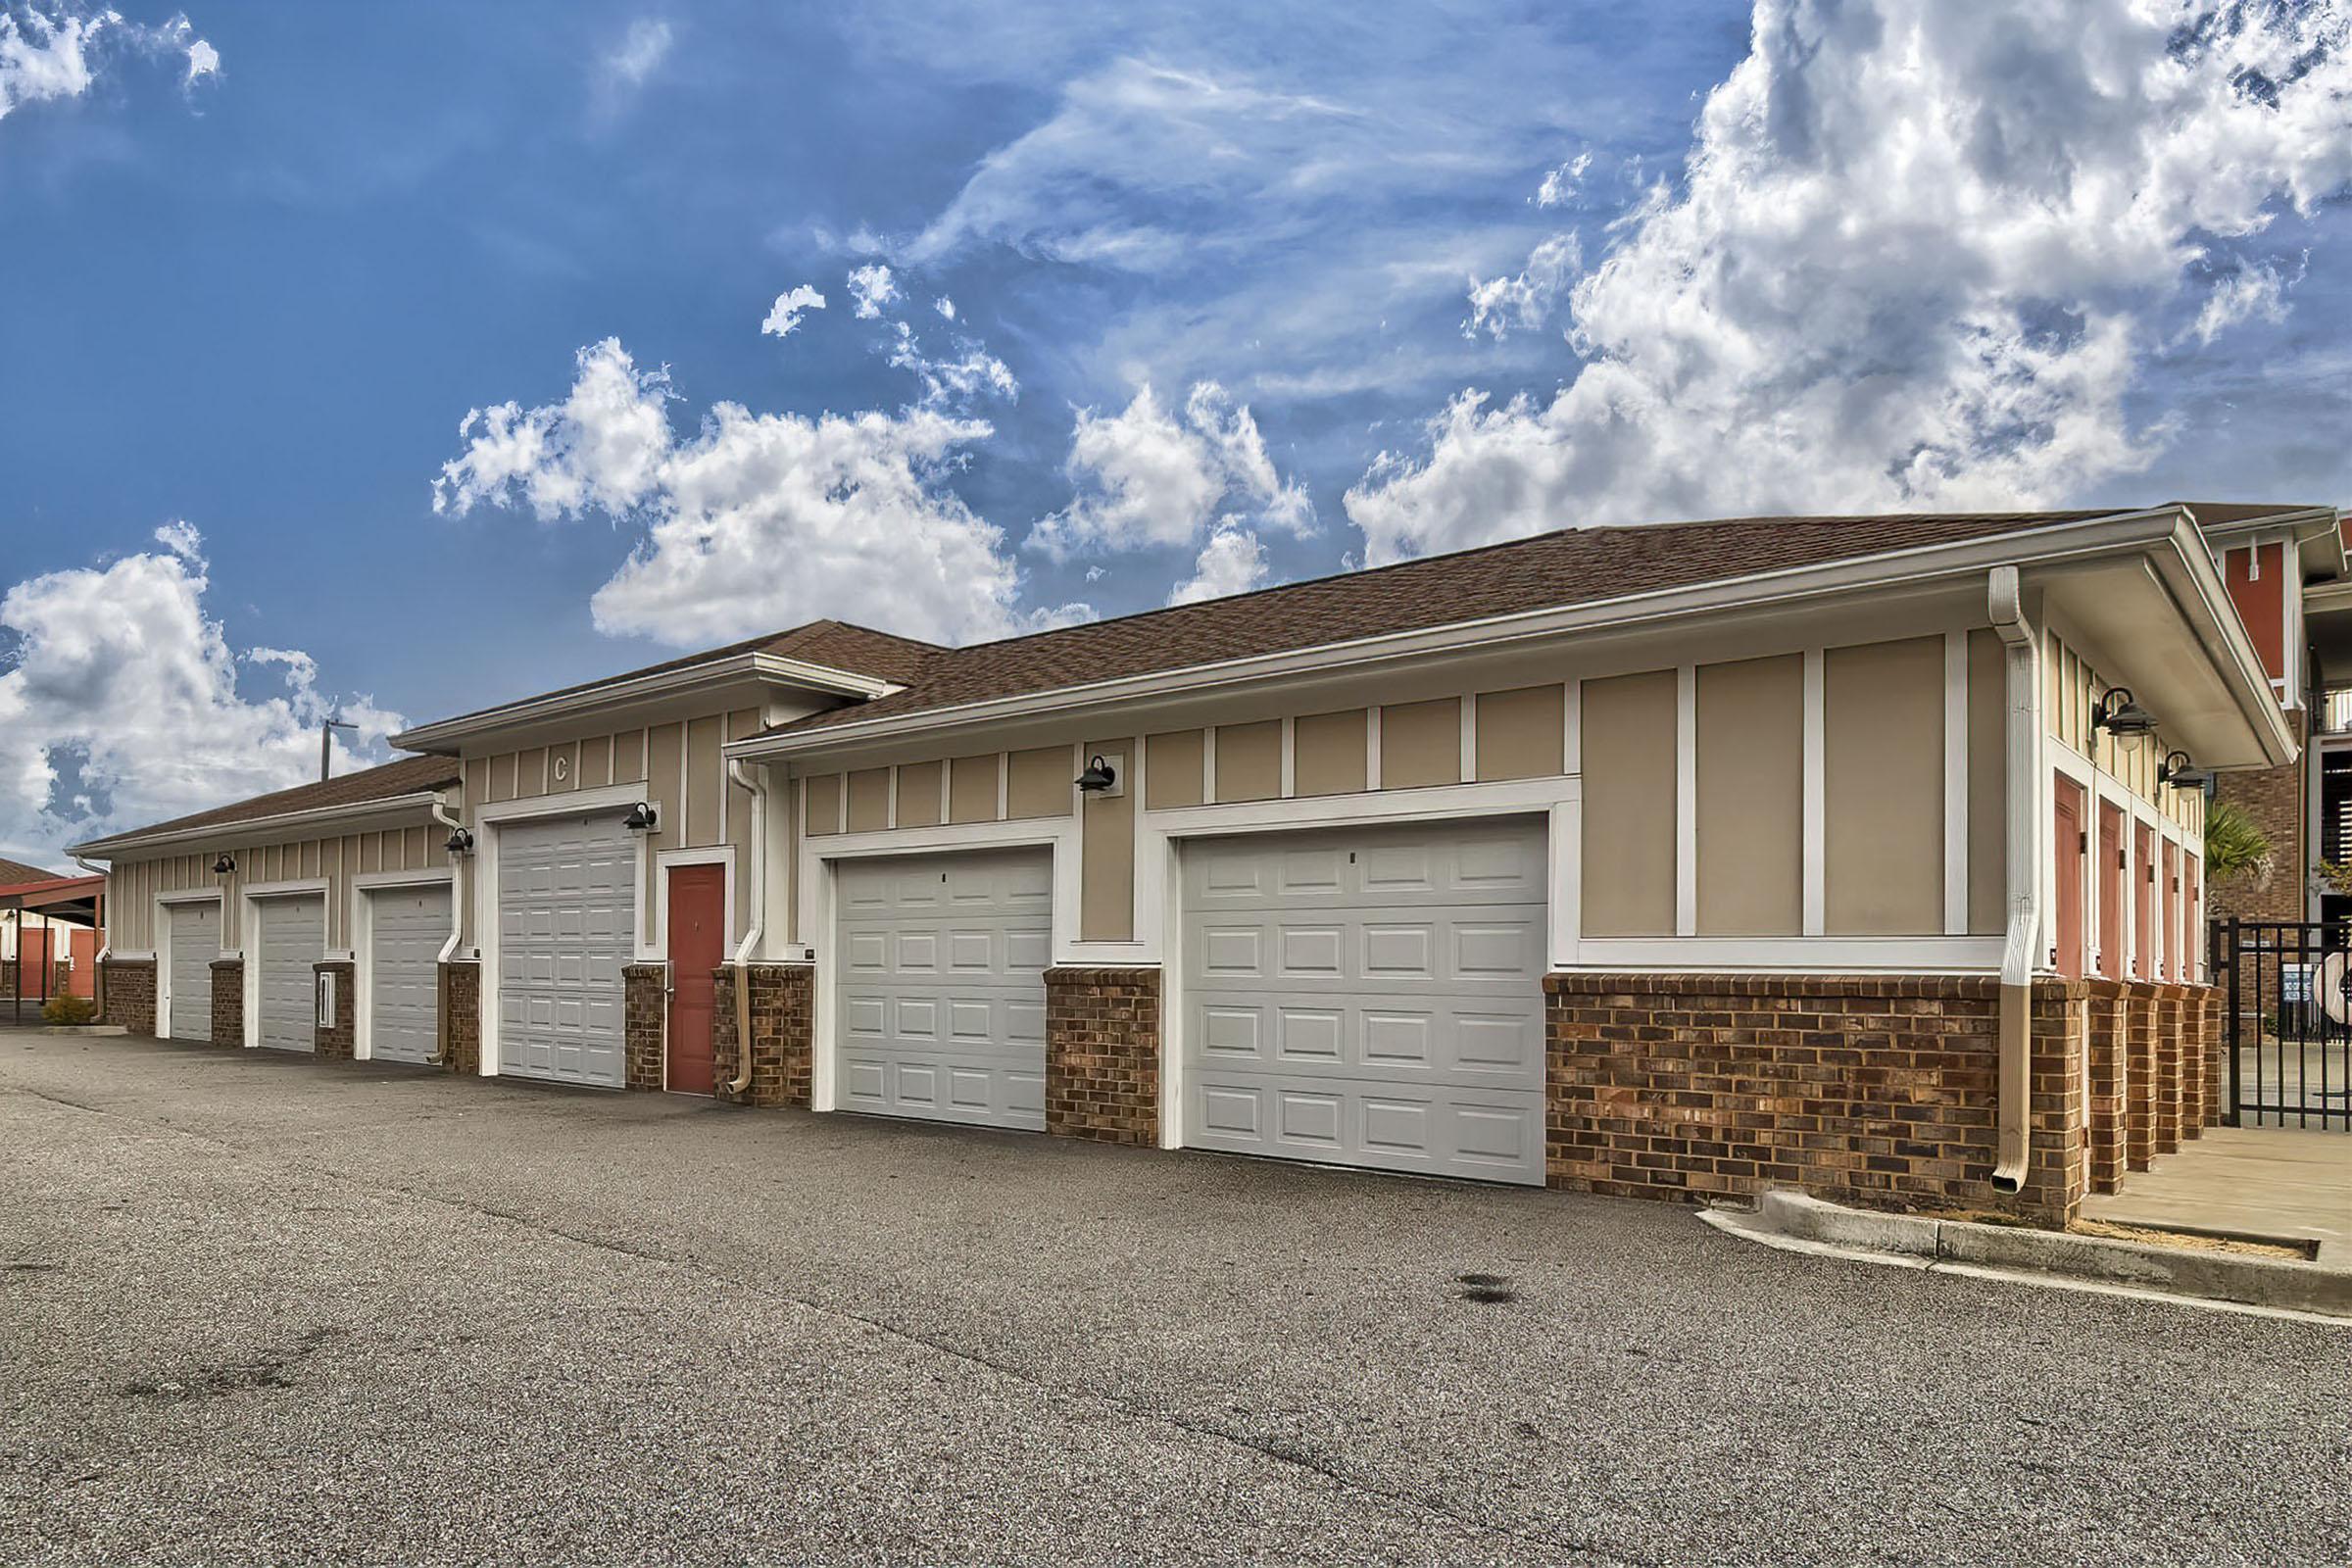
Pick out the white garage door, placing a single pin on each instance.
(195, 943)
(1369, 997)
(940, 998)
(293, 936)
(406, 928)
(566, 913)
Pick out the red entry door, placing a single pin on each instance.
(2143, 897)
(697, 945)
(2109, 875)
(2067, 916)
(85, 961)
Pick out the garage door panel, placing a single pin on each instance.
(195, 943)
(1395, 1021)
(292, 935)
(566, 919)
(941, 995)
(406, 928)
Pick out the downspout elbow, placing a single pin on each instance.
(2013, 1104)
(449, 945)
(755, 926)
(106, 949)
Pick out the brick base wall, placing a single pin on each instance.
(461, 1017)
(644, 1012)
(783, 1010)
(1879, 1088)
(338, 1041)
(126, 992)
(228, 1002)
(1103, 1057)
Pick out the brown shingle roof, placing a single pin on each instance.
(13, 872)
(1570, 566)
(834, 644)
(410, 775)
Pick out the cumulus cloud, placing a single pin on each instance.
(1233, 562)
(1500, 305)
(871, 288)
(2256, 291)
(785, 314)
(756, 520)
(1918, 258)
(1561, 184)
(52, 51)
(120, 702)
(954, 379)
(1147, 477)
(945, 307)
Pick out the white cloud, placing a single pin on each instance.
(52, 51)
(966, 374)
(638, 55)
(785, 314)
(1916, 259)
(945, 307)
(755, 521)
(1148, 479)
(873, 287)
(1561, 184)
(2253, 292)
(1232, 562)
(1500, 304)
(120, 704)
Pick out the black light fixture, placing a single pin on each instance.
(225, 864)
(461, 841)
(643, 817)
(2121, 715)
(1098, 775)
(2181, 773)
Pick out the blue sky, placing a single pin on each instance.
(1241, 295)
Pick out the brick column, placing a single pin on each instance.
(337, 1041)
(2139, 1068)
(126, 989)
(2167, 1004)
(783, 1017)
(2106, 1102)
(228, 1002)
(1103, 1058)
(2058, 1171)
(461, 1017)
(644, 1010)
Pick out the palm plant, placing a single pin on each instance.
(2235, 845)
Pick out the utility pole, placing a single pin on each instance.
(326, 743)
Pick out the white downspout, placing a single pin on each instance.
(106, 949)
(456, 930)
(750, 945)
(2013, 1108)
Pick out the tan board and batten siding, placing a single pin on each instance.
(135, 885)
(2075, 692)
(680, 763)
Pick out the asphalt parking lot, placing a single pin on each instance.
(271, 1310)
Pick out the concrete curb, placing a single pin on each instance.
(2263, 1282)
(105, 1029)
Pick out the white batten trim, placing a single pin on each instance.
(1955, 783)
(1465, 769)
(1686, 800)
(1289, 757)
(1815, 900)
(1572, 739)
(1922, 954)
(1371, 747)
(1208, 761)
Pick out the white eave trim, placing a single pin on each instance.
(281, 824)
(770, 667)
(2316, 530)
(2055, 543)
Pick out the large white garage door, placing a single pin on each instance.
(566, 912)
(941, 1001)
(195, 943)
(406, 930)
(293, 938)
(1369, 997)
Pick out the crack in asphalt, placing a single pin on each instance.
(1294, 1455)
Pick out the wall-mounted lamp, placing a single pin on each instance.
(223, 865)
(2122, 716)
(643, 817)
(461, 841)
(2181, 773)
(1098, 776)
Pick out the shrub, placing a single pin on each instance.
(69, 1010)
(2235, 845)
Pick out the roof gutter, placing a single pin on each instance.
(2223, 633)
(773, 667)
(284, 821)
(1923, 564)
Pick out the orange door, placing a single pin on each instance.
(85, 961)
(2066, 919)
(2192, 928)
(698, 938)
(2173, 947)
(2143, 896)
(2110, 874)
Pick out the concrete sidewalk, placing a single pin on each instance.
(2246, 1181)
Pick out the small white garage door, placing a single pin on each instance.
(566, 914)
(406, 930)
(195, 943)
(1369, 997)
(292, 933)
(941, 1001)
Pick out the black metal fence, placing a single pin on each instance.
(2289, 1021)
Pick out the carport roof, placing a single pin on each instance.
(13, 873)
(1568, 566)
(410, 775)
